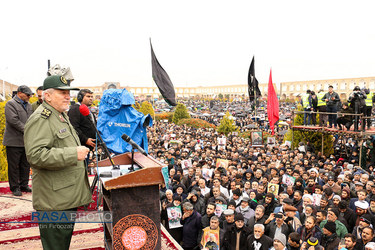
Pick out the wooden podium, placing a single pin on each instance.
(133, 199)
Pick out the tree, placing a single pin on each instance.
(3, 158)
(146, 108)
(136, 106)
(180, 112)
(227, 125)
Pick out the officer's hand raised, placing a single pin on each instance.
(82, 152)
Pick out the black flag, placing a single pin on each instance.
(253, 83)
(162, 80)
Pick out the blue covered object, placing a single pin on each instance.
(118, 117)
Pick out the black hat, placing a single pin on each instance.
(24, 89)
(330, 226)
(238, 217)
(312, 241)
(366, 218)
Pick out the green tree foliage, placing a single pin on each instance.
(180, 112)
(227, 125)
(3, 158)
(314, 138)
(196, 123)
(164, 116)
(146, 108)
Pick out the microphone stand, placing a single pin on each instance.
(109, 157)
(131, 169)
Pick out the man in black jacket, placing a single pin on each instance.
(332, 99)
(239, 230)
(83, 124)
(17, 111)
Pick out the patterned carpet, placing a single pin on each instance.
(25, 235)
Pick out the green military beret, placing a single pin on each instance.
(57, 82)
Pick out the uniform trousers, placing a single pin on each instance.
(18, 168)
(56, 236)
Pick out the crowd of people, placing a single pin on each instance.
(263, 197)
(224, 192)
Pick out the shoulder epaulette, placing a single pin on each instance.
(46, 113)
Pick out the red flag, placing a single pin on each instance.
(272, 104)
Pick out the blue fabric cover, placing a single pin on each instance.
(117, 117)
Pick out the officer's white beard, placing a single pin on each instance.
(257, 236)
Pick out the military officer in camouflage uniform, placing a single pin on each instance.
(53, 149)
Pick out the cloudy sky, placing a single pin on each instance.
(198, 43)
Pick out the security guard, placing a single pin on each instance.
(322, 108)
(56, 157)
(368, 109)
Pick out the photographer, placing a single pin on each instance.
(358, 104)
(346, 120)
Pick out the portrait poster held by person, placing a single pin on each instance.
(60, 181)
(17, 111)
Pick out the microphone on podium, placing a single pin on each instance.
(126, 138)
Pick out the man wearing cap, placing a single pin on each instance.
(364, 221)
(60, 181)
(236, 236)
(332, 216)
(245, 209)
(17, 111)
(291, 219)
(279, 242)
(333, 185)
(229, 219)
(330, 241)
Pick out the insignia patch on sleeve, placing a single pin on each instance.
(46, 113)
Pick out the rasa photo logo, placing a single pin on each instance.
(71, 217)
